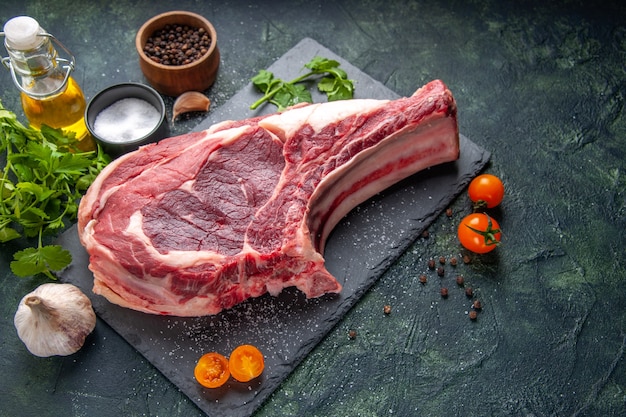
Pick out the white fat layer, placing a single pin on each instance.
(286, 124)
(188, 186)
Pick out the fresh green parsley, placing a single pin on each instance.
(43, 179)
(283, 94)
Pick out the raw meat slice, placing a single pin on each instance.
(201, 222)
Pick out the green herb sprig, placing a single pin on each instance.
(283, 94)
(43, 179)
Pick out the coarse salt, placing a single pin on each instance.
(126, 120)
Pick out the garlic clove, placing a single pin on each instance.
(190, 101)
(54, 319)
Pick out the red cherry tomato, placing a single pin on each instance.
(479, 233)
(486, 190)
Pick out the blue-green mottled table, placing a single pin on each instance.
(539, 84)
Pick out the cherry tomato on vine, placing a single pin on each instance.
(479, 233)
(212, 370)
(486, 190)
(246, 363)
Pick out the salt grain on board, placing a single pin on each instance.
(126, 120)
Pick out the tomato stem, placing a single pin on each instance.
(480, 205)
(489, 234)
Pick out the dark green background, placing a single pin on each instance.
(539, 84)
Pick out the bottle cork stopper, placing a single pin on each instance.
(22, 33)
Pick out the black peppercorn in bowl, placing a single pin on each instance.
(178, 52)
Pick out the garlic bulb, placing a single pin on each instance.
(54, 319)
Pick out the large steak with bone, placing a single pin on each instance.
(201, 222)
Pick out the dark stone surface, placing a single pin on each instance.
(287, 327)
(539, 84)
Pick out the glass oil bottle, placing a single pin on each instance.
(49, 93)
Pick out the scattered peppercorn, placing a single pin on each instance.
(442, 260)
(460, 280)
(425, 234)
(469, 292)
(477, 305)
(440, 271)
(453, 261)
(177, 44)
(473, 315)
(431, 264)
(387, 309)
(423, 279)
(352, 334)
(449, 212)
(444, 292)
(466, 259)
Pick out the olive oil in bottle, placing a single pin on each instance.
(65, 110)
(49, 94)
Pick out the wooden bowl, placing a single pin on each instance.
(173, 80)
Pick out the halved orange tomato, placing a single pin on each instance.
(246, 363)
(212, 370)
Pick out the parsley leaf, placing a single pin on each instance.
(334, 83)
(41, 183)
(290, 95)
(336, 89)
(42, 260)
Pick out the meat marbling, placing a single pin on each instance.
(201, 222)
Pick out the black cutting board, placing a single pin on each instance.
(286, 328)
